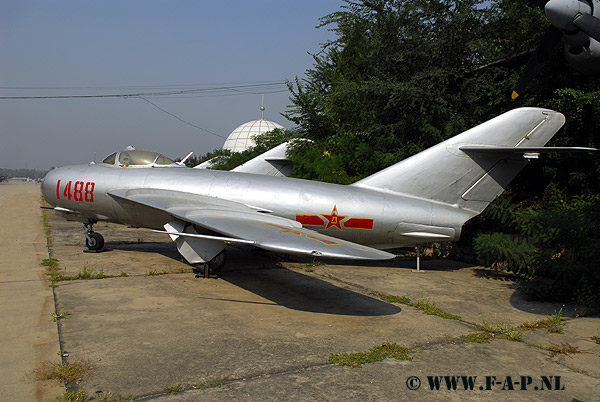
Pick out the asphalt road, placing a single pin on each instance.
(266, 329)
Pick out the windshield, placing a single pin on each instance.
(110, 159)
(137, 157)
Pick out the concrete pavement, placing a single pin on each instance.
(28, 335)
(266, 329)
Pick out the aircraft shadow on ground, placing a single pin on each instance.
(306, 293)
(257, 272)
(403, 263)
(301, 292)
(520, 301)
(166, 249)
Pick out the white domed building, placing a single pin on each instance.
(241, 138)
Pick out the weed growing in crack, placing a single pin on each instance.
(477, 337)
(175, 388)
(425, 304)
(562, 349)
(429, 307)
(553, 324)
(500, 330)
(390, 298)
(72, 396)
(375, 354)
(57, 315)
(64, 372)
(310, 267)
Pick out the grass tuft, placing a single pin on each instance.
(429, 307)
(64, 372)
(46, 224)
(88, 272)
(554, 323)
(310, 267)
(425, 304)
(55, 274)
(477, 337)
(57, 315)
(500, 330)
(52, 269)
(175, 388)
(390, 298)
(375, 354)
(564, 349)
(71, 396)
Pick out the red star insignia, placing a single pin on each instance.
(334, 219)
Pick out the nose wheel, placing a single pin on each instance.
(94, 241)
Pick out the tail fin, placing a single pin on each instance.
(274, 162)
(474, 167)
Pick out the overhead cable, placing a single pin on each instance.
(251, 88)
(180, 119)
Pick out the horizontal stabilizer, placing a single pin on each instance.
(523, 150)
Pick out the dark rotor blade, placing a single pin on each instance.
(538, 58)
(589, 24)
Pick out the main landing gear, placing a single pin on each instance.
(212, 267)
(94, 241)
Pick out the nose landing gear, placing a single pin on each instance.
(94, 241)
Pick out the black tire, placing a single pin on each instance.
(212, 267)
(95, 241)
(216, 264)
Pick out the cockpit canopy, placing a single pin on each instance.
(131, 157)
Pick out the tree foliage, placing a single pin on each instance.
(403, 75)
(30, 173)
(224, 159)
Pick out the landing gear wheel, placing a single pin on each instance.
(212, 267)
(94, 241)
(216, 264)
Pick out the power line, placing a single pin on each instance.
(206, 90)
(179, 118)
(250, 88)
(123, 87)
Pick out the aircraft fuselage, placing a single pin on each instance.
(374, 218)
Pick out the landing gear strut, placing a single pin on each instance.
(212, 267)
(94, 241)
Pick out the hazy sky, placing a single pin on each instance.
(74, 48)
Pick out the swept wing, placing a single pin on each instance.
(238, 223)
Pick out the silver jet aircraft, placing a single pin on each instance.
(425, 198)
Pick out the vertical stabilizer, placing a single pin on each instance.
(471, 180)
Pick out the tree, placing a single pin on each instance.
(403, 75)
(227, 160)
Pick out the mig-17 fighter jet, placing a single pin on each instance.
(425, 198)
